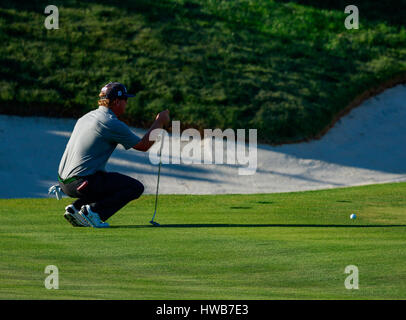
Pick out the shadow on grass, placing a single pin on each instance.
(219, 225)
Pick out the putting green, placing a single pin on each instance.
(263, 246)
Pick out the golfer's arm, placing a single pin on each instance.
(145, 143)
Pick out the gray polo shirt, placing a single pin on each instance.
(92, 142)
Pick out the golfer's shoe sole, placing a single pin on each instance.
(85, 214)
(71, 220)
(74, 218)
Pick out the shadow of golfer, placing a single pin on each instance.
(218, 225)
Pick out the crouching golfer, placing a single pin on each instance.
(82, 172)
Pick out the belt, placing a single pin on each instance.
(69, 180)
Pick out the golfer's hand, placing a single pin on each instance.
(163, 117)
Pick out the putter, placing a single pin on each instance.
(154, 223)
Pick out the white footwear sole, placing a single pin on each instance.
(75, 219)
(91, 223)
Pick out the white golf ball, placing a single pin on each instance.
(353, 216)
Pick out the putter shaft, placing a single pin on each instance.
(157, 185)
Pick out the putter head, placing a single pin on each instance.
(155, 224)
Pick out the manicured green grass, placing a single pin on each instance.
(262, 246)
(286, 68)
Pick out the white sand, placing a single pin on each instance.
(367, 146)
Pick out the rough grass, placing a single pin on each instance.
(265, 246)
(285, 68)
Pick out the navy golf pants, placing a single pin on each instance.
(105, 192)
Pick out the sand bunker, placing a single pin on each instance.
(366, 146)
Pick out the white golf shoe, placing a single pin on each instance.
(92, 217)
(74, 218)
